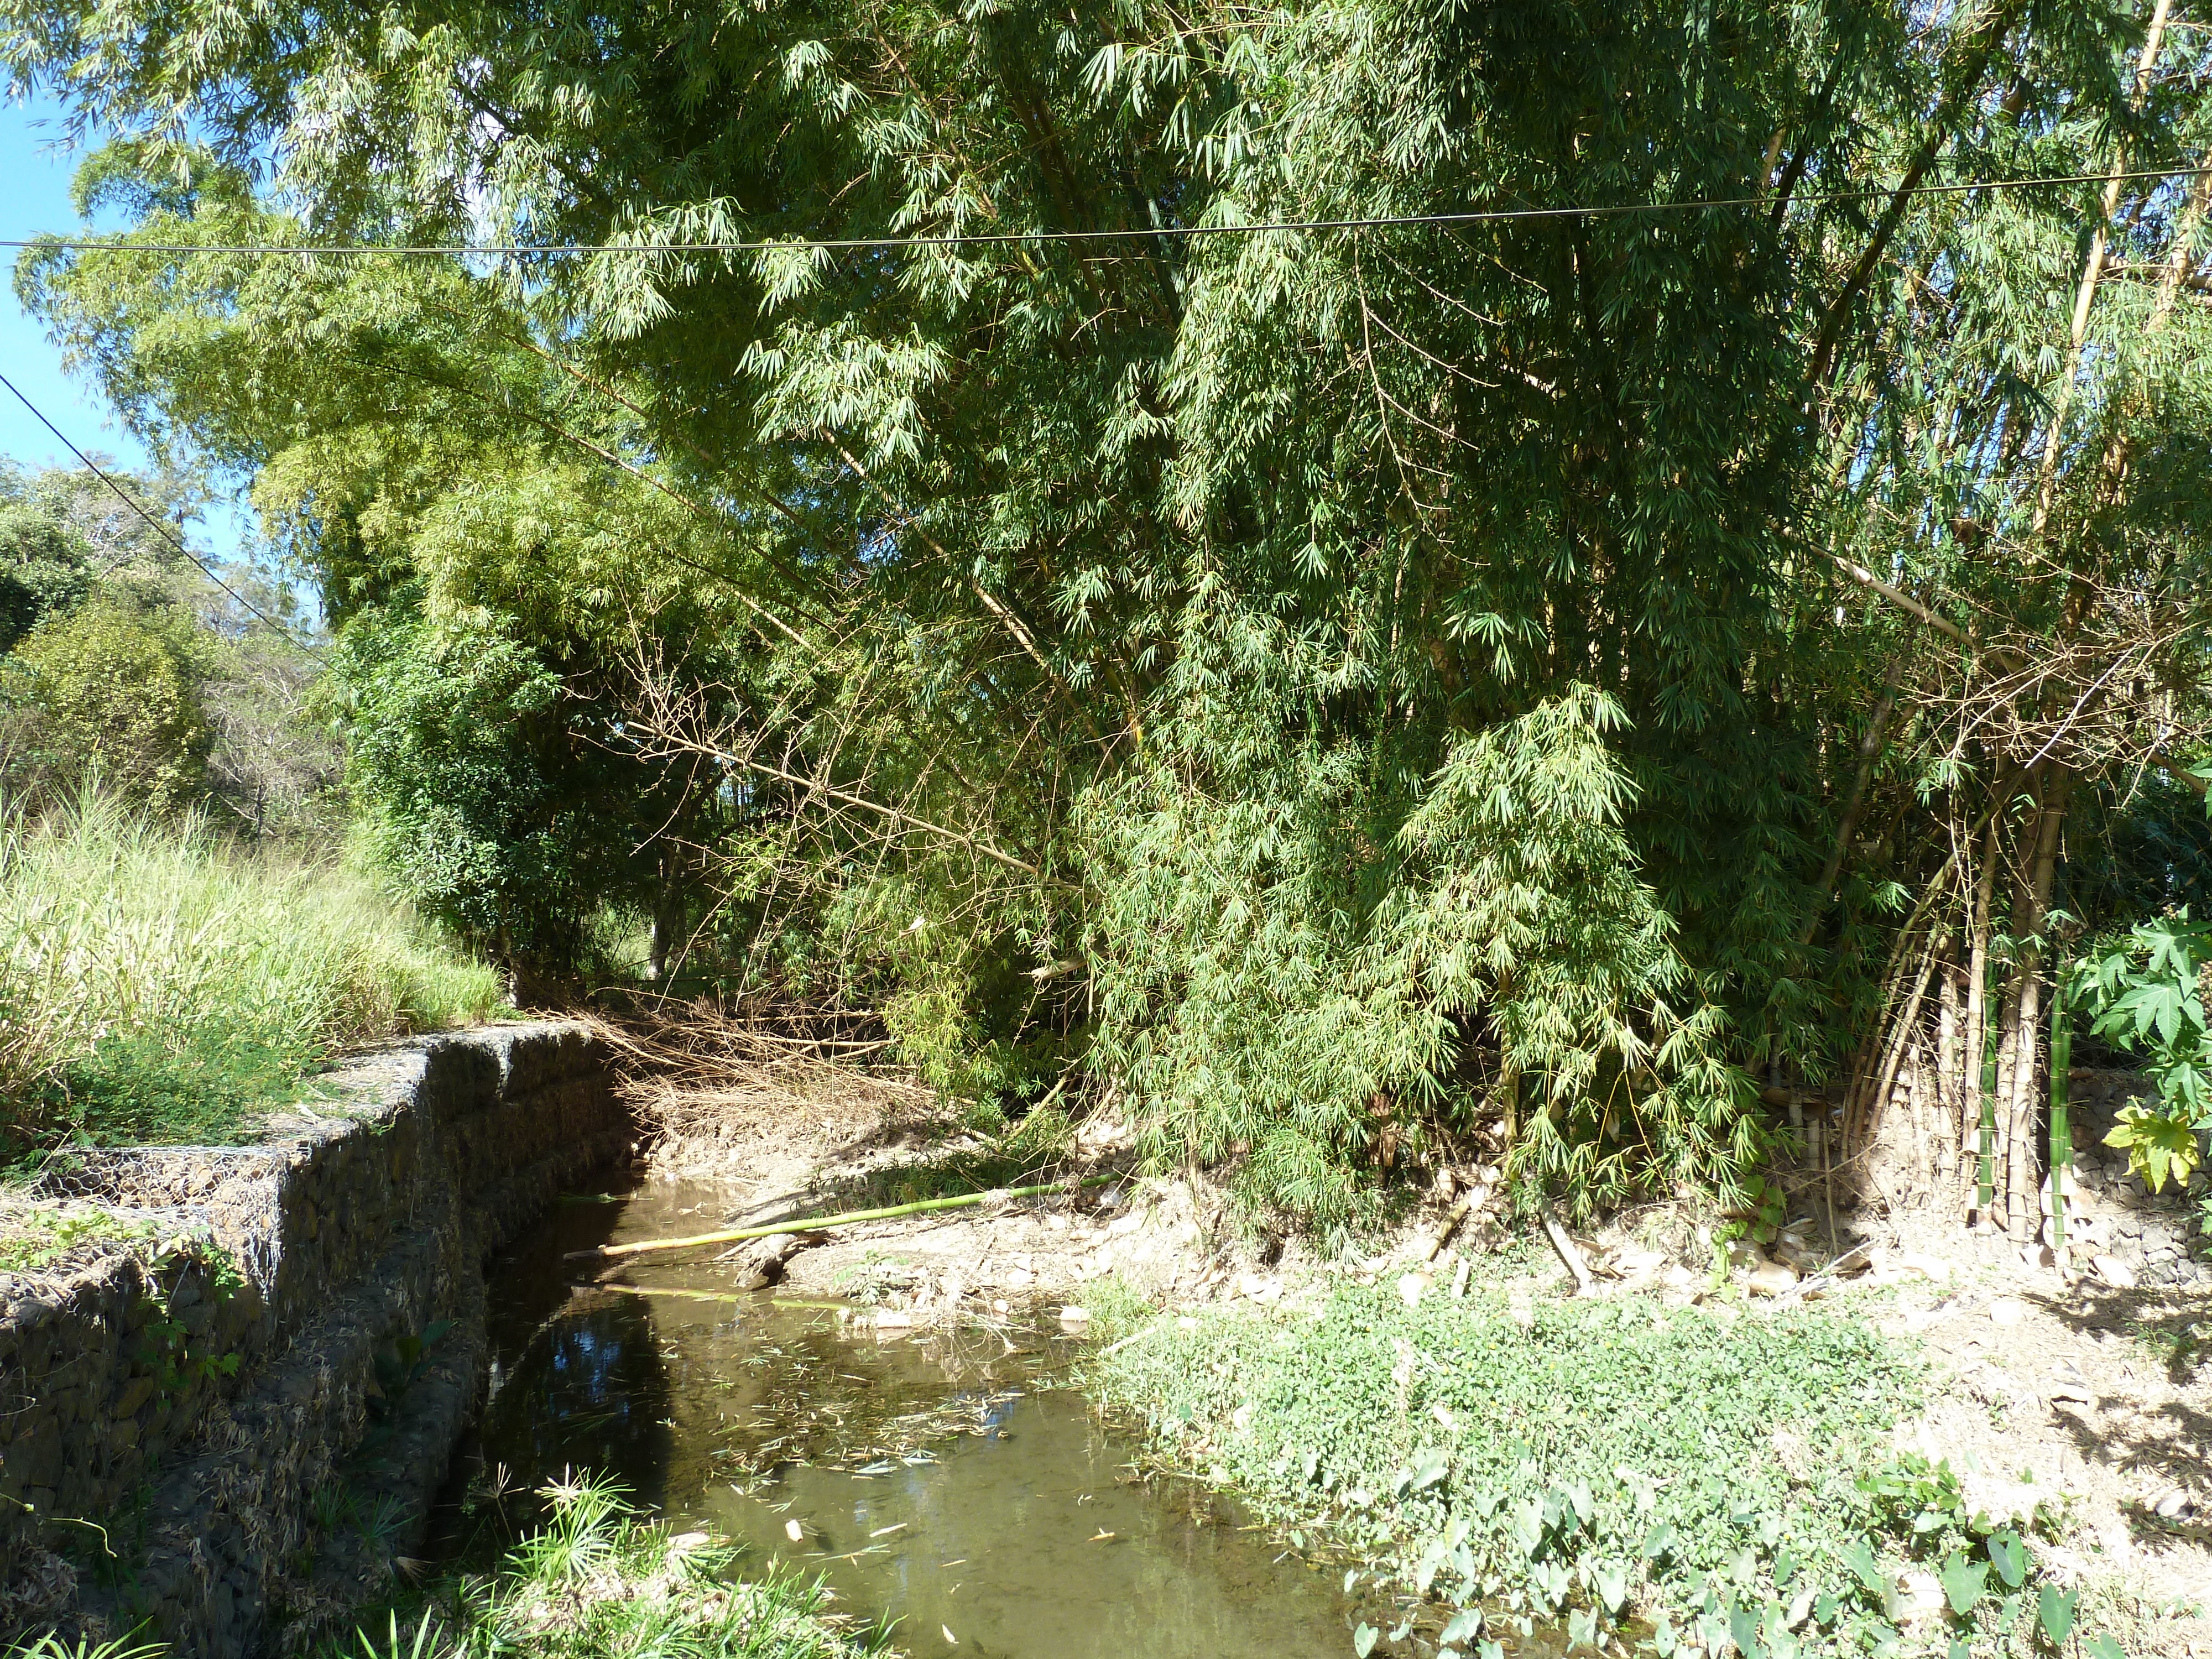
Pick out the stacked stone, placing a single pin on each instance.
(353, 1225)
(2157, 1235)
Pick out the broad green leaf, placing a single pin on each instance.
(1611, 1582)
(1364, 1640)
(1744, 1630)
(1860, 1560)
(2009, 1556)
(2055, 1608)
(1965, 1582)
(1465, 1624)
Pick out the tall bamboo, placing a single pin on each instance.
(2061, 1137)
(1985, 1171)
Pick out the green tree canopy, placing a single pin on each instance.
(1134, 634)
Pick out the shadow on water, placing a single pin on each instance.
(952, 1482)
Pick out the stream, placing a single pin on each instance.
(952, 1481)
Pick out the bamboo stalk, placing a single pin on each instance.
(817, 1223)
(1986, 1169)
(1974, 1039)
(2022, 1196)
(668, 1289)
(2061, 1136)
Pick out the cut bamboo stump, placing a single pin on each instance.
(1568, 1253)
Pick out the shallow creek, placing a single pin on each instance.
(954, 1482)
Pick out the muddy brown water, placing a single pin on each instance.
(953, 1483)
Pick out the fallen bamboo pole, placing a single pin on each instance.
(817, 1223)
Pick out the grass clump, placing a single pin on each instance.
(598, 1581)
(158, 985)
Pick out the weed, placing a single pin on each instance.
(1117, 1308)
(599, 1581)
(50, 1646)
(1591, 1463)
(385, 1520)
(331, 1505)
(35, 1237)
(427, 1640)
(402, 1361)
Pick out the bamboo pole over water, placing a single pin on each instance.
(817, 1224)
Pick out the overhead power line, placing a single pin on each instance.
(984, 239)
(158, 527)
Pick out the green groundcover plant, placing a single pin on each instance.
(1689, 1482)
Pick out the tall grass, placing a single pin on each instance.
(158, 984)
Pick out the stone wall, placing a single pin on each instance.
(2152, 1235)
(202, 1438)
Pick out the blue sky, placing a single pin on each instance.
(34, 175)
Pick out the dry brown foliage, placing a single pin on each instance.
(698, 1072)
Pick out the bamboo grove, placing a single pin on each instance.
(1542, 679)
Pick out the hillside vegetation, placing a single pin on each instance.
(1507, 577)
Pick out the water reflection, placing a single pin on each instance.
(590, 1392)
(950, 1482)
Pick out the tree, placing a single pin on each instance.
(43, 567)
(1028, 588)
(110, 694)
